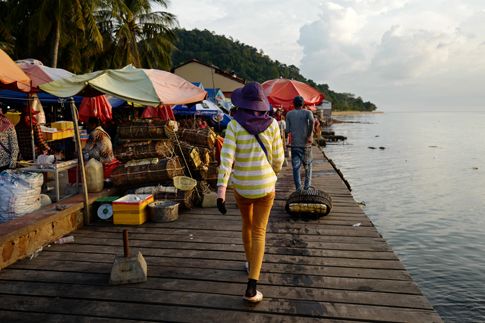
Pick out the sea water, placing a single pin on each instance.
(424, 190)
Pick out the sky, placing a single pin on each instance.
(399, 54)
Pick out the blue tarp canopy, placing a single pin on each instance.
(14, 97)
(199, 85)
(205, 108)
(217, 96)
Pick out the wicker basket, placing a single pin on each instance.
(163, 171)
(142, 129)
(198, 137)
(185, 198)
(184, 183)
(190, 153)
(144, 149)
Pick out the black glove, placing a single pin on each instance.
(221, 206)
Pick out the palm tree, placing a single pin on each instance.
(56, 30)
(134, 34)
(6, 39)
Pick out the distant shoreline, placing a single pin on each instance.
(347, 113)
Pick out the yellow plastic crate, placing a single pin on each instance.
(62, 125)
(66, 134)
(131, 209)
(52, 135)
(129, 218)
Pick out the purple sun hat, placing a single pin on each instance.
(251, 97)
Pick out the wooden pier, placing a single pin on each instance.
(318, 270)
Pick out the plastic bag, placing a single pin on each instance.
(19, 193)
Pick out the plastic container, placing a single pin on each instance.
(62, 125)
(94, 176)
(209, 199)
(131, 209)
(184, 183)
(68, 239)
(163, 211)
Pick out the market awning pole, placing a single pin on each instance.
(80, 160)
(29, 102)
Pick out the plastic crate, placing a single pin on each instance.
(131, 208)
(62, 125)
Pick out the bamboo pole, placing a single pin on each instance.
(80, 160)
(30, 107)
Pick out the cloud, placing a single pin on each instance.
(270, 25)
(413, 50)
(395, 53)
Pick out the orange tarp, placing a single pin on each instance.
(11, 76)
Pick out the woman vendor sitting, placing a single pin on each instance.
(99, 144)
(99, 147)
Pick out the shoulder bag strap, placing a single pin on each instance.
(262, 146)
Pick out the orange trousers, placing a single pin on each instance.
(255, 216)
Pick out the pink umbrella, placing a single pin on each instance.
(40, 74)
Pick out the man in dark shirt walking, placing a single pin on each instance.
(299, 123)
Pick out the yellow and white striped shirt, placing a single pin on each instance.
(253, 175)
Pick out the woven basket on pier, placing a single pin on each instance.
(198, 137)
(207, 173)
(205, 156)
(212, 171)
(144, 149)
(185, 198)
(142, 129)
(309, 203)
(190, 153)
(162, 171)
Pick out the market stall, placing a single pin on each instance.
(151, 151)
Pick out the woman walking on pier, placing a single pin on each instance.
(252, 155)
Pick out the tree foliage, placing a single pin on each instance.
(251, 64)
(83, 35)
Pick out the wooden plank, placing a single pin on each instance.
(13, 316)
(220, 274)
(238, 255)
(235, 237)
(210, 301)
(283, 250)
(141, 311)
(175, 241)
(236, 265)
(288, 292)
